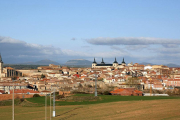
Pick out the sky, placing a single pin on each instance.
(61, 30)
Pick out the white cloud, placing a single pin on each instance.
(16, 50)
(136, 47)
(10, 40)
(131, 41)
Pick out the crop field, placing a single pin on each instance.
(101, 99)
(134, 110)
(106, 108)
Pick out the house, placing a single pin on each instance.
(65, 93)
(127, 92)
(24, 91)
(2, 92)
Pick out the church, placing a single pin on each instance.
(103, 65)
(8, 71)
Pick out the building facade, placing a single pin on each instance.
(103, 65)
(8, 71)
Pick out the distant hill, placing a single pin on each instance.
(169, 65)
(146, 63)
(41, 62)
(172, 65)
(79, 62)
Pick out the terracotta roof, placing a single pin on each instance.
(1, 91)
(9, 68)
(23, 91)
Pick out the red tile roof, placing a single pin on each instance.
(23, 91)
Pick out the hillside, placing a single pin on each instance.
(41, 62)
(79, 62)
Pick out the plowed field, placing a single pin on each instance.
(123, 110)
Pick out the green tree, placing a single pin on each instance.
(43, 76)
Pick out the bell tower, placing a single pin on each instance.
(1, 66)
(115, 63)
(123, 62)
(94, 63)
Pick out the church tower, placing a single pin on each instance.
(123, 62)
(115, 63)
(1, 66)
(94, 63)
(102, 61)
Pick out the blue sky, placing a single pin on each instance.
(60, 30)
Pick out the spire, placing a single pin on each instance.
(102, 61)
(94, 61)
(115, 60)
(0, 58)
(123, 60)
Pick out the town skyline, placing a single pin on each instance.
(140, 31)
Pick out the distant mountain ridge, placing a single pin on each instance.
(169, 65)
(41, 62)
(172, 65)
(78, 62)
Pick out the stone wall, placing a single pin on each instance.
(9, 96)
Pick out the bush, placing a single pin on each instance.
(21, 100)
(36, 95)
(78, 92)
(106, 93)
(59, 96)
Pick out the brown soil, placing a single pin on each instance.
(127, 110)
(124, 110)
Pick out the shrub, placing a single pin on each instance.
(59, 96)
(90, 86)
(106, 93)
(36, 95)
(78, 92)
(21, 100)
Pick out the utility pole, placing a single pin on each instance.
(54, 112)
(46, 106)
(95, 85)
(50, 103)
(150, 87)
(45, 100)
(13, 103)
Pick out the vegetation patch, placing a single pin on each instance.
(81, 98)
(84, 99)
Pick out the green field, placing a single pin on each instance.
(105, 107)
(162, 109)
(102, 99)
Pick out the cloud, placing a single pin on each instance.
(73, 38)
(13, 48)
(170, 45)
(132, 41)
(117, 48)
(16, 51)
(136, 47)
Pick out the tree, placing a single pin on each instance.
(43, 76)
(36, 95)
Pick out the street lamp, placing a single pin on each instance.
(50, 103)
(95, 85)
(13, 102)
(54, 112)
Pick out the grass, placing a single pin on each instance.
(164, 109)
(9, 102)
(102, 99)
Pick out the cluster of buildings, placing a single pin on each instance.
(124, 76)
